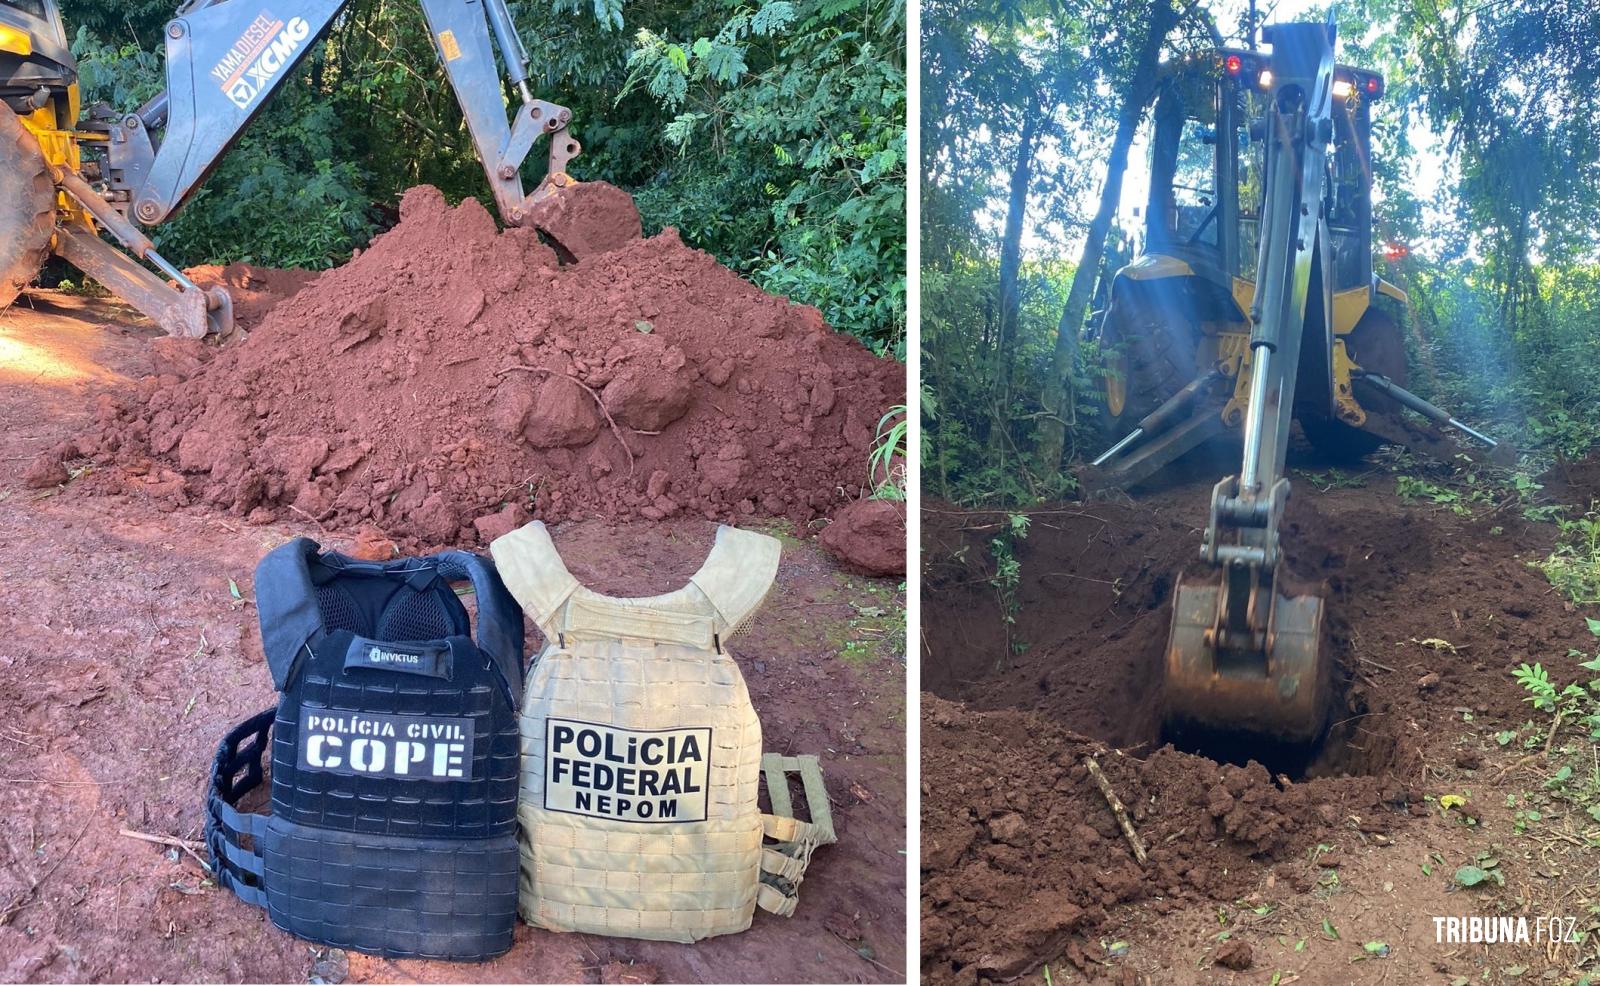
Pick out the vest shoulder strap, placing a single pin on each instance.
(533, 570)
(287, 606)
(286, 599)
(733, 581)
(499, 620)
(738, 574)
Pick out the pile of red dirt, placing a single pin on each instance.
(1022, 856)
(453, 380)
(255, 291)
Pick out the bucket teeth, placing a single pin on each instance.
(1277, 689)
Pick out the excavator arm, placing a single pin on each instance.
(1243, 654)
(225, 60)
(1197, 351)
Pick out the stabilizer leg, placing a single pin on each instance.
(190, 313)
(185, 310)
(1393, 428)
(1185, 421)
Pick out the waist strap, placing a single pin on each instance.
(232, 835)
(783, 864)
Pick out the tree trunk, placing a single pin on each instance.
(1057, 395)
(1010, 273)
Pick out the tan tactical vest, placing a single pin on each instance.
(641, 754)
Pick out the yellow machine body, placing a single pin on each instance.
(1180, 327)
(61, 148)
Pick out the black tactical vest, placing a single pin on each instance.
(395, 754)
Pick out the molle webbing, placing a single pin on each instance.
(232, 835)
(394, 753)
(588, 615)
(622, 837)
(783, 865)
(399, 896)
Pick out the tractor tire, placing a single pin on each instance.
(1377, 346)
(1152, 350)
(27, 207)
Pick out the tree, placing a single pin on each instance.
(1140, 91)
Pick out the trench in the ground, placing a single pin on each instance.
(1109, 686)
(1355, 742)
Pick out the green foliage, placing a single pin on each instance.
(974, 452)
(1573, 712)
(1413, 488)
(136, 22)
(1007, 577)
(1574, 566)
(886, 467)
(788, 125)
(1502, 277)
(1577, 704)
(772, 136)
(1472, 875)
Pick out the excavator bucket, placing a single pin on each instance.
(1276, 686)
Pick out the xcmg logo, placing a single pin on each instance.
(265, 49)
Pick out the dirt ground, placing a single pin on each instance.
(126, 655)
(1324, 867)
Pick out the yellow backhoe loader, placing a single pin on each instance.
(67, 176)
(1253, 303)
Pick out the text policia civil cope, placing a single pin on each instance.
(442, 746)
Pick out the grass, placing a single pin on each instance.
(1555, 813)
(1476, 486)
(886, 466)
(1337, 479)
(1574, 566)
(876, 629)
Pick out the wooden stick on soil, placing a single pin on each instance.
(591, 392)
(30, 893)
(187, 845)
(1117, 809)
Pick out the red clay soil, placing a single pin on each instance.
(587, 219)
(869, 537)
(453, 373)
(1022, 860)
(255, 291)
(130, 647)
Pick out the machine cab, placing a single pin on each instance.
(34, 53)
(1207, 160)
